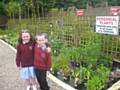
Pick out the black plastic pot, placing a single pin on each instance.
(66, 78)
(55, 72)
(83, 63)
(74, 64)
(60, 76)
(80, 86)
(77, 64)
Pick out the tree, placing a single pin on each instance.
(12, 8)
(64, 4)
(82, 4)
(41, 7)
(2, 9)
(46, 5)
(114, 2)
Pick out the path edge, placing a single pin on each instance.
(52, 77)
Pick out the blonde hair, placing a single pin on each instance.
(38, 34)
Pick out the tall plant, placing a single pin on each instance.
(92, 50)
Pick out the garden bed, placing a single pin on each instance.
(84, 68)
(103, 81)
(115, 73)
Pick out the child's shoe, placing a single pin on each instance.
(28, 87)
(34, 87)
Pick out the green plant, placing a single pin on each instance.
(10, 36)
(105, 59)
(55, 68)
(91, 50)
(61, 61)
(103, 72)
(94, 83)
(82, 74)
(56, 45)
(98, 78)
(66, 70)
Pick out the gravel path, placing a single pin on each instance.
(9, 74)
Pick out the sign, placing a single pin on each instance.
(115, 10)
(80, 12)
(107, 24)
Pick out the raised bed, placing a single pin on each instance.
(114, 76)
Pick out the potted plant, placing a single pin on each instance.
(98, 78)
(66, 72)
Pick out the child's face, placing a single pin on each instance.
(46, 40)
(40, 40)
(25, 37)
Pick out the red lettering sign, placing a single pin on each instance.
(80, 12)
(115, 10)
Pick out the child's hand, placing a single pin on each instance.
(48, 72)
(48, 49)
(19, 68)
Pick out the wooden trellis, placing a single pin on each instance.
(77, 31)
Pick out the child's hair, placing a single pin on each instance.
(24, 31)
(46, 37)
(38, 34)
(41, 34)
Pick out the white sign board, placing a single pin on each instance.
(107, 24)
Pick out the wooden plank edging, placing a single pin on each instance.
(115, 86)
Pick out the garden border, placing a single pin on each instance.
(53, 78)
(115, 86)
